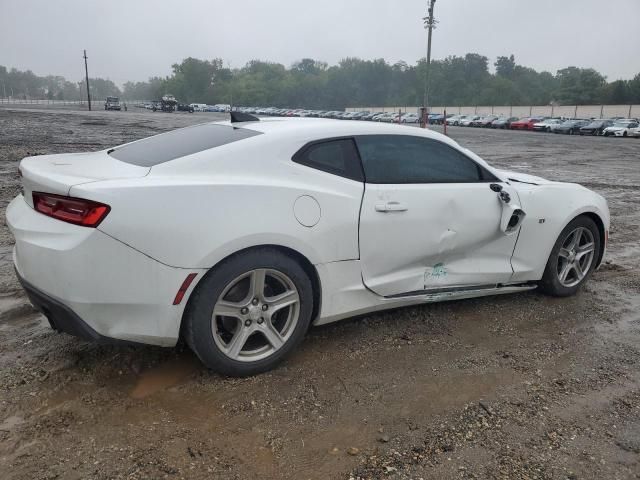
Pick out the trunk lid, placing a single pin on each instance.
(58, 173)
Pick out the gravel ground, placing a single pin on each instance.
(512, 387)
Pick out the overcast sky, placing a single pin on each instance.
(136, 39)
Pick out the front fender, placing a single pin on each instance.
(549, 208)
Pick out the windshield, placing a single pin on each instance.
(622, 124)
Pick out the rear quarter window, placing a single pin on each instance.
(337, 156)
(179, 143)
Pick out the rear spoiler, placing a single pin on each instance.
(242, 117)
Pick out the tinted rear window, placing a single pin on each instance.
(179, 143)
(337, 156)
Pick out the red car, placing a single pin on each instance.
(525, 123)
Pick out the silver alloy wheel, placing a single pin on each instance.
(575, 257)
(255, 315)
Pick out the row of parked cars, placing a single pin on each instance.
(191, 107)
(389, 117)
(618, 127)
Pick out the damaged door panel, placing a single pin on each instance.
(449, 235)
(455, 227)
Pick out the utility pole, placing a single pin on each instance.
(86, 73)
(429, 24)
(231, 93)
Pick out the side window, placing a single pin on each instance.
(410, 159)
(338, 156)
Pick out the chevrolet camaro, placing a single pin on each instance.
(238, 236)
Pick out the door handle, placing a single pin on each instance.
(391, 207)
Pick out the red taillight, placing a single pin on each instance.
(78, 211)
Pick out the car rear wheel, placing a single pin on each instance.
(249, 312)
(573, 258)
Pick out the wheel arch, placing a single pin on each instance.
(601, 230)
(301, 259)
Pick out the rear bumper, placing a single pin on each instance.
(94, 286)
(62, 318)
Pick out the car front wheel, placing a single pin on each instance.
(249, 312)
(573, 258)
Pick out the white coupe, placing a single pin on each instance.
(237, 236)
(621, 128)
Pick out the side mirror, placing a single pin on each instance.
(512, 218)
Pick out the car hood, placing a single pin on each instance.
(615, 129)
(524, 178)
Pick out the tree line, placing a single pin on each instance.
(27, 85)
(454, 81)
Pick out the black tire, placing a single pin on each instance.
(196, 324)
(550, 284)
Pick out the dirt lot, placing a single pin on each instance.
(519, 386)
